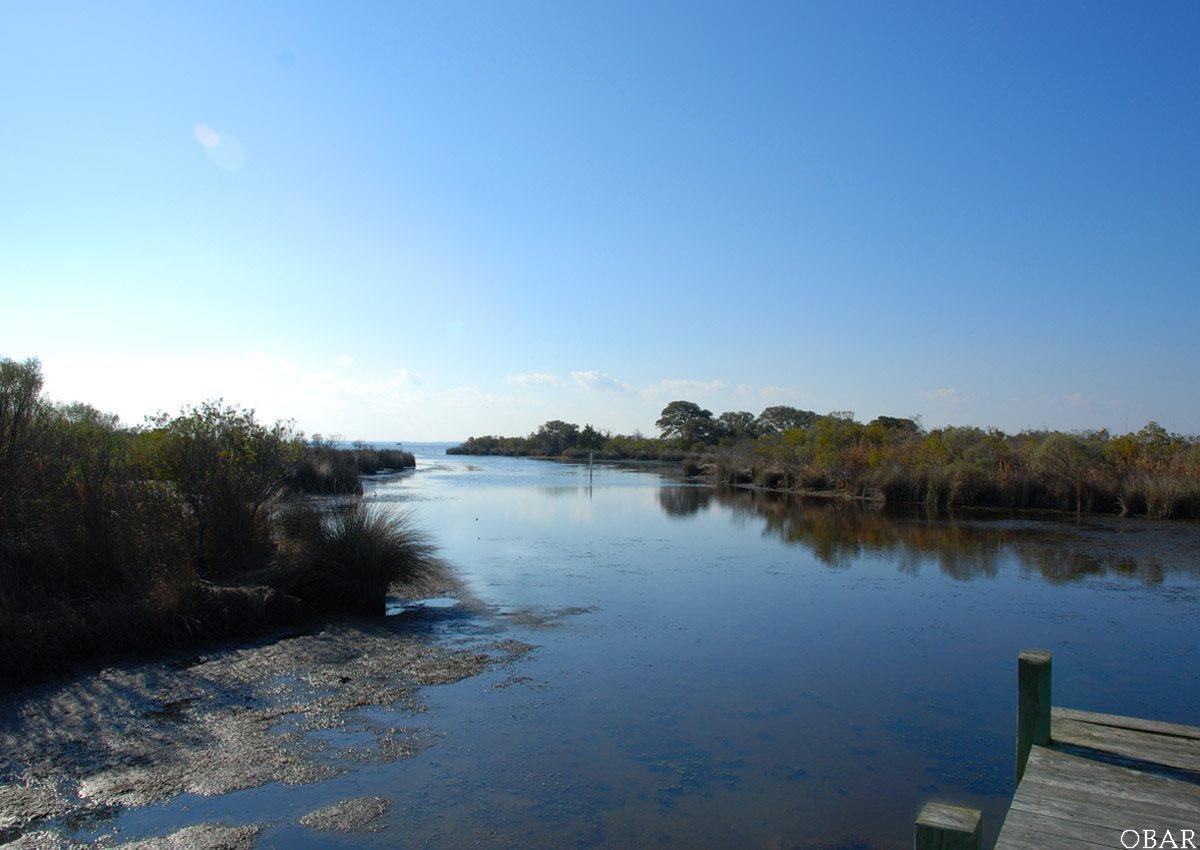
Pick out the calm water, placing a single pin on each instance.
(750, 671)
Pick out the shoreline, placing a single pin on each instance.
(226, 718)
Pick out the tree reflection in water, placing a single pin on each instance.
(966, 545)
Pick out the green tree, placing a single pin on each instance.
(590, 438)
(687, 421)
(230, 468)
(23, 431)
(556, 436)
(94, 449)
(896, 423)
(780, 418)
(737, 425)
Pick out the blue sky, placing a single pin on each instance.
(426, 221)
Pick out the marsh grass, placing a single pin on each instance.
(325, 468)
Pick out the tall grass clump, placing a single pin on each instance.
(350, 556)
(1150, 472)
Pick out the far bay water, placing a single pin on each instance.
(736, 669)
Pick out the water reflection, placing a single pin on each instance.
(682, 501)
(562, 491)
(963, 547)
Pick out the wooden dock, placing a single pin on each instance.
(1084, 781)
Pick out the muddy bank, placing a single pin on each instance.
(229, 719)
(362, 814)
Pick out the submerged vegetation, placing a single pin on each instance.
(116, 538)
(1149, 472)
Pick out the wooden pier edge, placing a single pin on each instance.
(1085, 780)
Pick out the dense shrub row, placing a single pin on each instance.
(114, 538)
(1149, 472)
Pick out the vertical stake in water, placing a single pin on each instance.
(942, 827)
(590, 454)
(1033, 704)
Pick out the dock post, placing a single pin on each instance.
(1033, 704)
(942, 827)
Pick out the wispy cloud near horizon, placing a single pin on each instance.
(946, 394)
(529, 379)
(593, 380)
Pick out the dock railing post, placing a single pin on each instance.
(942, 827)
(1033, 704)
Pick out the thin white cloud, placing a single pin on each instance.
(407, 377)
(345, 360)
(206, 136)
(593, 380)
(532, 379)
(336, 383)
(947, 394)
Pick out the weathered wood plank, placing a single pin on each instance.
(1090, 807)
(1114, 782)
(1023, 831)
(1137, 723)
(1067, 801)
(1169, 750)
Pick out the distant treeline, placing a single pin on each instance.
(557, 439)
(116, 538)
(894, 459)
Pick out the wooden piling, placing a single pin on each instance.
(1033, 704)
(942, 827)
